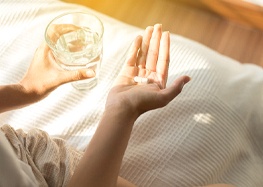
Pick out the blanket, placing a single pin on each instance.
(211, 133)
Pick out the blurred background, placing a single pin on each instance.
(231, 27)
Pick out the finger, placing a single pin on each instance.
(163, 59)
(144, 47)
(171, 92)
(133, 52)
(153, 50)
(81, 74)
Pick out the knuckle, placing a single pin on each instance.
(164, 59)
(76, 76)
(153, 52)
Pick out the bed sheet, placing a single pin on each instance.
(211, 133)
(256, 2)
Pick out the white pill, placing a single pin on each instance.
(142, 80)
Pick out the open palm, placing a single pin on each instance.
(149, 58)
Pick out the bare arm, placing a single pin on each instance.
(13, 96)
(43, 76)
(126, 101)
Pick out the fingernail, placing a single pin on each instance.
(185, 81)
(158, 25)
(166, 33)
(149, 28)
(90, 73)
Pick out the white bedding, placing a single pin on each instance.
(256, 2)
(211, 133)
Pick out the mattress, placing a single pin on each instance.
(211, 133)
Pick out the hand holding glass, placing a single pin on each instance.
(76, 42)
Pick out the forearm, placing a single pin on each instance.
(101, 162)
(13, 97)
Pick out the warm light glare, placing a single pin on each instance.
(204, 118)
(257, 2)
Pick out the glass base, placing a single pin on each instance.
(85, 84)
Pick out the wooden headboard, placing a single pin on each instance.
(237, 10)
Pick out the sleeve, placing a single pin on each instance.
(51, 160)
(13, 172)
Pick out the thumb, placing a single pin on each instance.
(80, 74)
(175, 89)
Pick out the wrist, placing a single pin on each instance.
(24, 95)
(122, 110)
(13, 97)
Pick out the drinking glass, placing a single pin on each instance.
(75, 39)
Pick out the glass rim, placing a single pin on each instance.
(68, 13)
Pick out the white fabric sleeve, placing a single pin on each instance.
(13, 172)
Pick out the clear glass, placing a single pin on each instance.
(76, 40)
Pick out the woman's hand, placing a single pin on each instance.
(44, 74)
(149, 58)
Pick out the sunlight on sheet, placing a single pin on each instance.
(204, 118)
